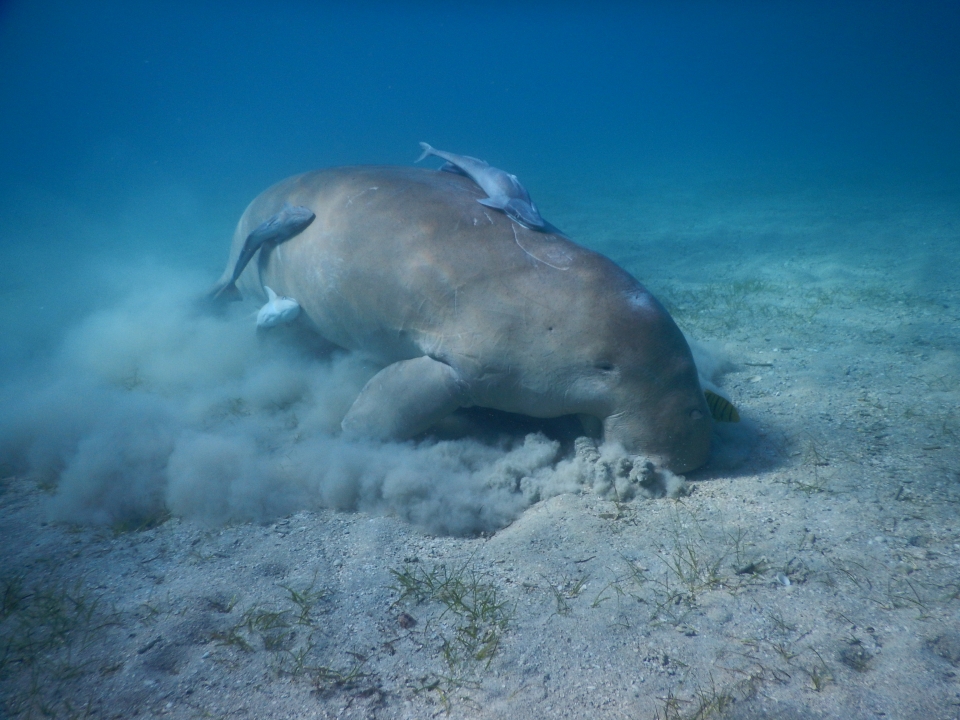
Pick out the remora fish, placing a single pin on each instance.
(504, 191)
(279, 310)
(289, 222)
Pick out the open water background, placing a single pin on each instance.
(132, 130)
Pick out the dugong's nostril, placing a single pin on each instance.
(695, 415)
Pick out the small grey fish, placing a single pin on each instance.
(289, 222)
(504, 191)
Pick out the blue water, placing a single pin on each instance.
(104, 99)
(172, 116)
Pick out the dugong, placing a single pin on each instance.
(462, 307)
(504, 191)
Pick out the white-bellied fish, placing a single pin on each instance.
(504, 191)
(279, 310)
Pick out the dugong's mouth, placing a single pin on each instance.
(687, 462)
(680, 445)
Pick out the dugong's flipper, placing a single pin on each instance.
(289, 222)
(405, 399)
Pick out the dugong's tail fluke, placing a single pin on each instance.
(427, 151)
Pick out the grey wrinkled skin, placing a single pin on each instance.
(504, 191)
(465, 308)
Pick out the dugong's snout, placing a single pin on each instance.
(676, 434)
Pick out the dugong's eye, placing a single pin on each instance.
(696, 415)
(604, 366)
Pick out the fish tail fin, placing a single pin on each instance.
(226, 292)
(216, 300)
(427, 150)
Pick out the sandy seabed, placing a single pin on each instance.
(813, 571)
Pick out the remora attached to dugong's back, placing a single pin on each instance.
(464, 307)
(504, 191)
(289, 222)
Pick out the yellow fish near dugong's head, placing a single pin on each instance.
(721, 409)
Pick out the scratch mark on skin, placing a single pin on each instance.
(616, 416)
(539, 259)
(437, 346)
(362, 192)
(517, 240)
(490, 220)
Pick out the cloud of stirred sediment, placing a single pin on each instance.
(152, 407)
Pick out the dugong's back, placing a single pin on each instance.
(404, 263)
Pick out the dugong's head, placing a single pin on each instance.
(651, 401)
